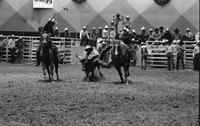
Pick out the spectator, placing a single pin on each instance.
(56, 32)
(84, 37)
(170, 55)
(11, 48)
(189, 36)
(93, 37)
(1, 47)
(161, 31)
(177, 37)
(40, 30)
(112, 33)
(66, 33)
(144, 56)
(61, 52)
(156, 34)
(105, 33)
(196, 57)
(143, 35)
(168, 35)
(127, 23)
(180, 55)
(19, 49)
(197, 37)
(151, 33)
(100, 32)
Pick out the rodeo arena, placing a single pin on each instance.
(99, 63)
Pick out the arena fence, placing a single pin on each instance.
(30, 47)
(157, 52)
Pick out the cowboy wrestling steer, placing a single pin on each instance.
(91, 62)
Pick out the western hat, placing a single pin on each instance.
(142, 28)
(88, 47)
(127, 17)
(134, 31)
(84, 27)
(66, 29)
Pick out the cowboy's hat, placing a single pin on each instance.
(142, 28)
(88, 48)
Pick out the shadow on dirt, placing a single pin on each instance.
(48, 81)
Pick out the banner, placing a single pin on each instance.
(43, 3)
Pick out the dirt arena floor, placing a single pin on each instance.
(156, 97)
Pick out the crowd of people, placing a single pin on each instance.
(100, 38)
(173, 41)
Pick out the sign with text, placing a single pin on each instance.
(43, 3)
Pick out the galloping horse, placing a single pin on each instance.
(120, 56)
(49, 60)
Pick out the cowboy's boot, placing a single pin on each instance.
(38, 59)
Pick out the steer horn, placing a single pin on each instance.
(79, 57)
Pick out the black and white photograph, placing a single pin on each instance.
(99, 62)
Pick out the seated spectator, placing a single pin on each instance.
(189, 36)
(84, 36)
(177, 37)
(66, 33)
(1, 47)
(161, 31)
(167, 35)
(151, 38)
(156, 34)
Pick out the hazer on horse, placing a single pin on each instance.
(120, 56)
(47, 52)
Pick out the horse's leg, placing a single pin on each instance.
(51, 70)
(56, 71)
(48, 71)
(120, 73)
(43, 69)
(126, 73)
(99, 71)
(87, 76)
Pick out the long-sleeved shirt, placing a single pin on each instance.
(84, 34)
(105, 34)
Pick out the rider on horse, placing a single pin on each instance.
(45, 38)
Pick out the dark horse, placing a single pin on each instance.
(120, 56)
(49, 59)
